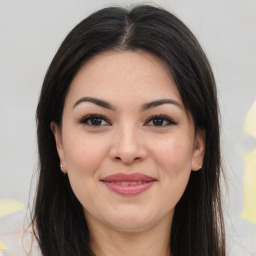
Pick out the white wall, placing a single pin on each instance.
(30, 33)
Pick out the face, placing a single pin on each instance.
(126, 141)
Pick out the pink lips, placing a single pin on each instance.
(128, 184)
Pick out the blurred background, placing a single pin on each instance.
(30, 33)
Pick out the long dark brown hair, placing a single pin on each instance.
(58, 220)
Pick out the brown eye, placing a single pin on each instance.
(94, 120)
(160, 121)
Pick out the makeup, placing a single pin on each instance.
(128, 184)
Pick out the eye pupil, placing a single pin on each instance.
(158, 121)
(96, 121)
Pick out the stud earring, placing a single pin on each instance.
(61, 165)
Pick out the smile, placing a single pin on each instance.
(128, 184)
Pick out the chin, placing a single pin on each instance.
(131, 226)
(136, 221)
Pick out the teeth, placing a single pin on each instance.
(127, 183)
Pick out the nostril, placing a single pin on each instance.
(127, 159)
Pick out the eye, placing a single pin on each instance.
(94, 120)
(160, 121)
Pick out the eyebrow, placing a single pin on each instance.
(144, 107)
(95, 101)
(157, 103)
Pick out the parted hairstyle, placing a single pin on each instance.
(58, 219)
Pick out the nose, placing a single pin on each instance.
(128, 147)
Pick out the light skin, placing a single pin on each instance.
(141, 126)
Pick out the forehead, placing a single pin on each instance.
(117, 75)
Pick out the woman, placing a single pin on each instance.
(128, 138)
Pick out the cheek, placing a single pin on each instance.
(174, 155)
(84, 154)
(173, 159)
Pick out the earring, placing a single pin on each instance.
(61, 165)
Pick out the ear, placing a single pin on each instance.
(59, 145)
(198, 150)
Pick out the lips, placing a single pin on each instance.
(134, 177)
(128, 184)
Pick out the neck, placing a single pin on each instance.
(150, 242)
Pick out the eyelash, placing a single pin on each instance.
(165, 119)
(88, 118)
